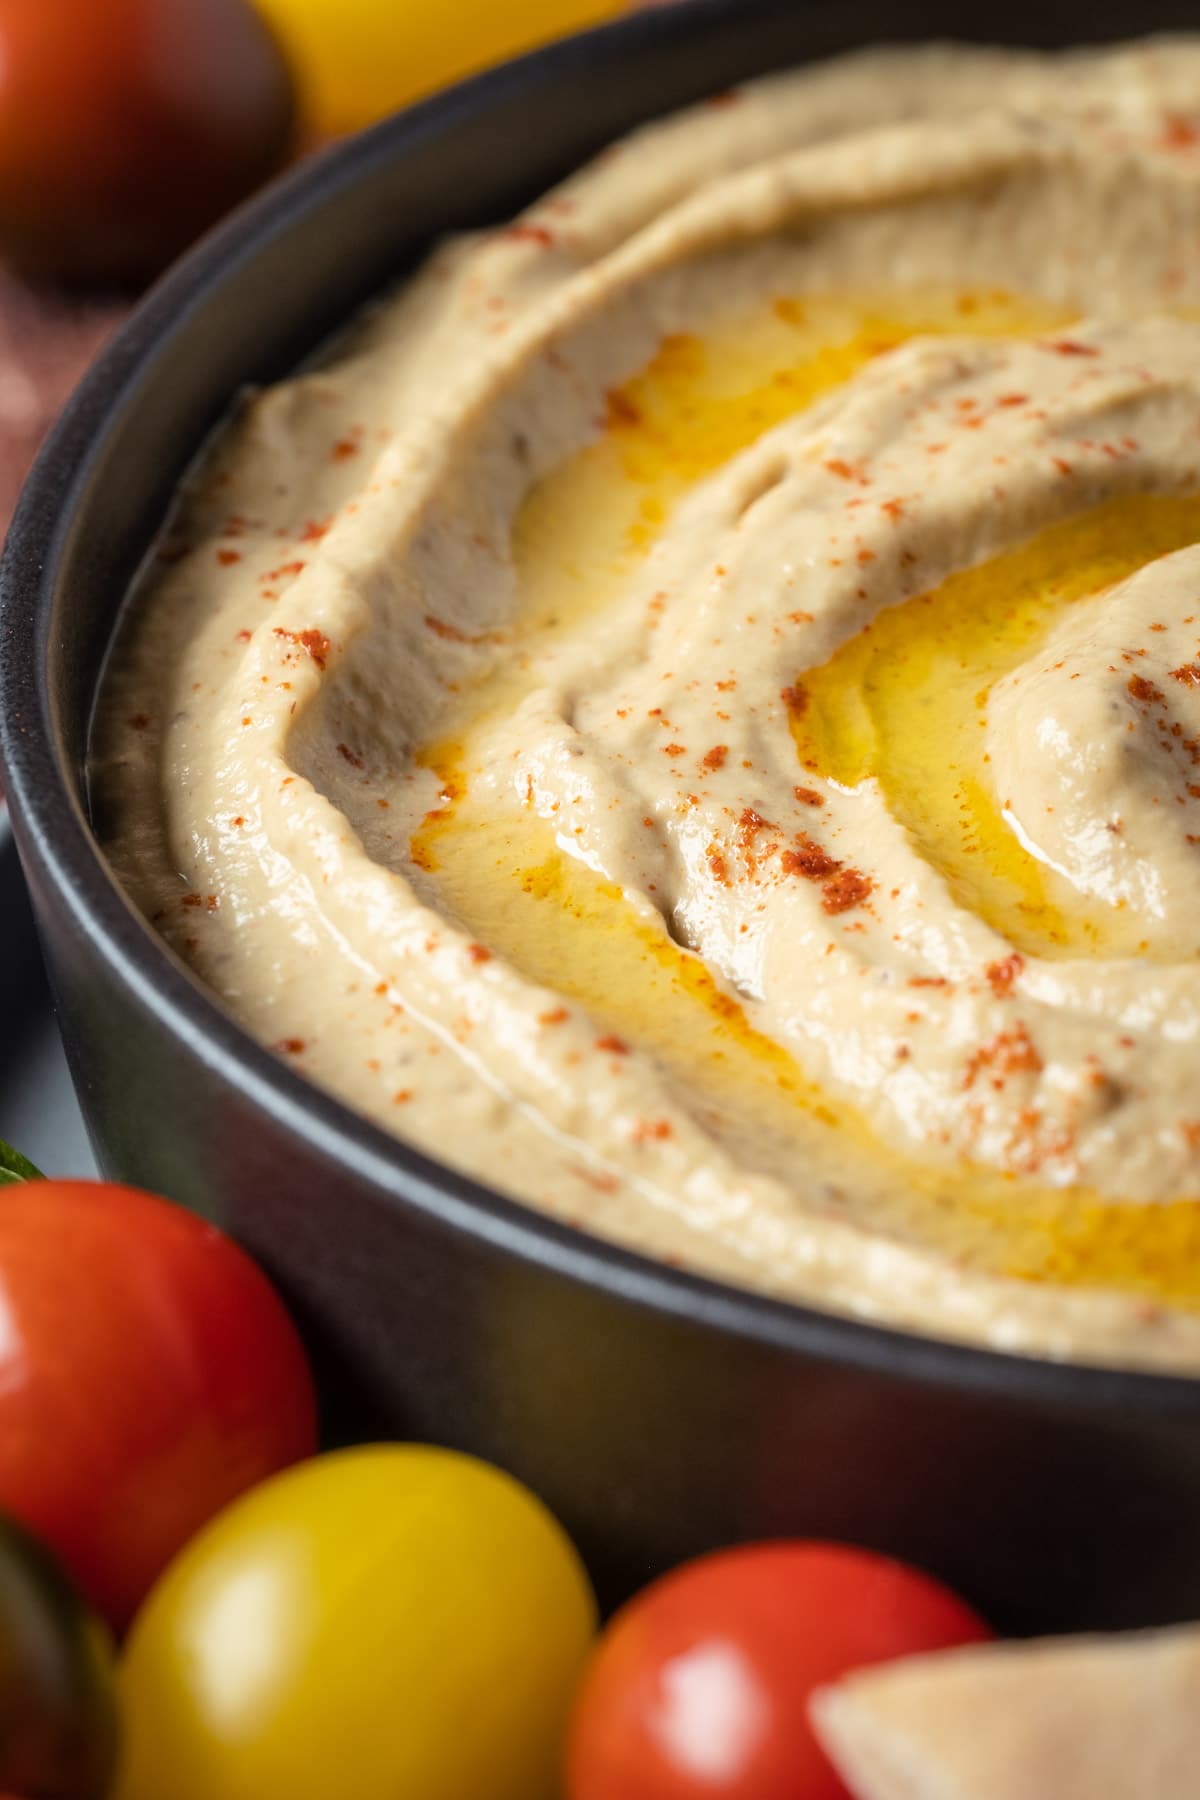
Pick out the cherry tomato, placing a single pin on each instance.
(699, 1688)
(383, 1622)
(357, 59)
(58, 1715)
(148, 1374)
(128, 126)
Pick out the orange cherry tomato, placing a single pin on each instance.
(699, 1688)
(128, 126)
(148, 1374)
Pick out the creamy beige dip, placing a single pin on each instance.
(693, 711)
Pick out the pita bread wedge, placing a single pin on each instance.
(1087, 1718)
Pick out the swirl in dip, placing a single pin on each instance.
(693, 711)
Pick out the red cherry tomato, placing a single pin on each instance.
(127, 126)
(700, 1686)
(148, 1375)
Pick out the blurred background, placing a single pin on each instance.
(128, 127)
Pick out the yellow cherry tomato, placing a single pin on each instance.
(383, 1622)
(356, 60)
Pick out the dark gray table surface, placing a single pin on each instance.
(38, 1111)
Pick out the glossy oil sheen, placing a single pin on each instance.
(503, 873)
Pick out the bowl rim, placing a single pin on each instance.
(56, 839)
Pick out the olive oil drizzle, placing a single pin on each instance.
(505, 877)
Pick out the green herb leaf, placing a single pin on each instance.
(15, 1167)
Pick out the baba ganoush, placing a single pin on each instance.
(691, 711)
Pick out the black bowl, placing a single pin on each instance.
(20, 964)
(658, 1413)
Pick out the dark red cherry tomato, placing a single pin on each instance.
(58, 1710)
(128, 126)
